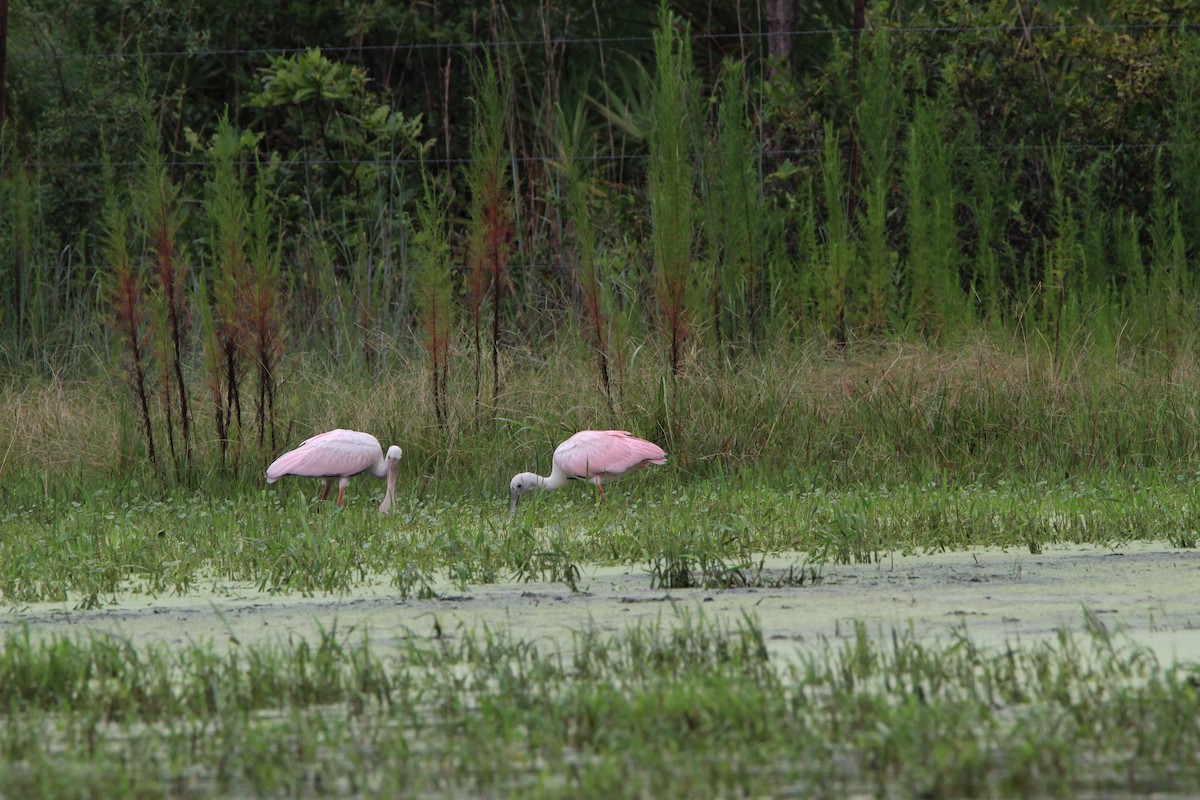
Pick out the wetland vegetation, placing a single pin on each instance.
(925, 283)
(686, 709)
(846, 458)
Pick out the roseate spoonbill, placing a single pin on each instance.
(340, 454)
(595, 456)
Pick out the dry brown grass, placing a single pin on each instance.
(52, 424)
(987, 398)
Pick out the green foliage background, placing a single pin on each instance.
(951, 168)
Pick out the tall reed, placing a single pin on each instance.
(223, 318)
(158, 206)
(17, 235)
(1184, 117)
(987, 197)
(1096, 275)
(1062, 254)
(161, 347)
(832, 266)
(491, 201)
(431, 254)
(590, 265)
(734, 211)
(1130, 262)
(933, 258)
(877, 120)
(124, 291)
(1168, 264)
(377, 287)
(265, 303)
(792, 261)
(213, 369)
(672, 177)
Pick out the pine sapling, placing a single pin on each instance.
(491, 203)
(264, 300)
(431, 251)
(222, 318)
(590, 265)
(672, 179)
(736, 211)
(126, 302)
(157, 203)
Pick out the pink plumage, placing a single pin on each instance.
(334, 454)
(605, 455)
(593, 456)
(340, 455)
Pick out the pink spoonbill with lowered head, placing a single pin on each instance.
(340, 455)
(595, 456)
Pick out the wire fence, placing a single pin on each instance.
(786, 153)
(635, 156)
(542, 262)
(384, 162)
(586, 40)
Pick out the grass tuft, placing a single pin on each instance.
(682, 707)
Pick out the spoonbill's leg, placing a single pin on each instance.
(600, 489)
(325, 490)
(342, 490)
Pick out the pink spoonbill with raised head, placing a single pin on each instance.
(595, 456)
(340, 455)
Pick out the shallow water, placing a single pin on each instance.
(1146, 591)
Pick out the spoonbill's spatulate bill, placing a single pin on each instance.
(596, 456)
(340, 455)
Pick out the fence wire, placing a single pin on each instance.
(15, 56)
(297, 163)
(443, 162)
(585, 40)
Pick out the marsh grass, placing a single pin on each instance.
(672, 180)
(645, 711)
(841, 456)
(702, 533)
(490, 211)
(874, 412)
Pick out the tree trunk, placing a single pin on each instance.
(3, 60)
(781, 21)
(855, 159)
(860, 20)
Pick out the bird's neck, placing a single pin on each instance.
(554, 480)
(379, 469)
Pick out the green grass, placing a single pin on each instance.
(837, 456)
(694, 532)
(680, 708)
(826, 456)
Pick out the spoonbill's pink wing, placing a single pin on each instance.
(335, 454)
(607, 454)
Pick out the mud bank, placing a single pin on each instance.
(1146, 591)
